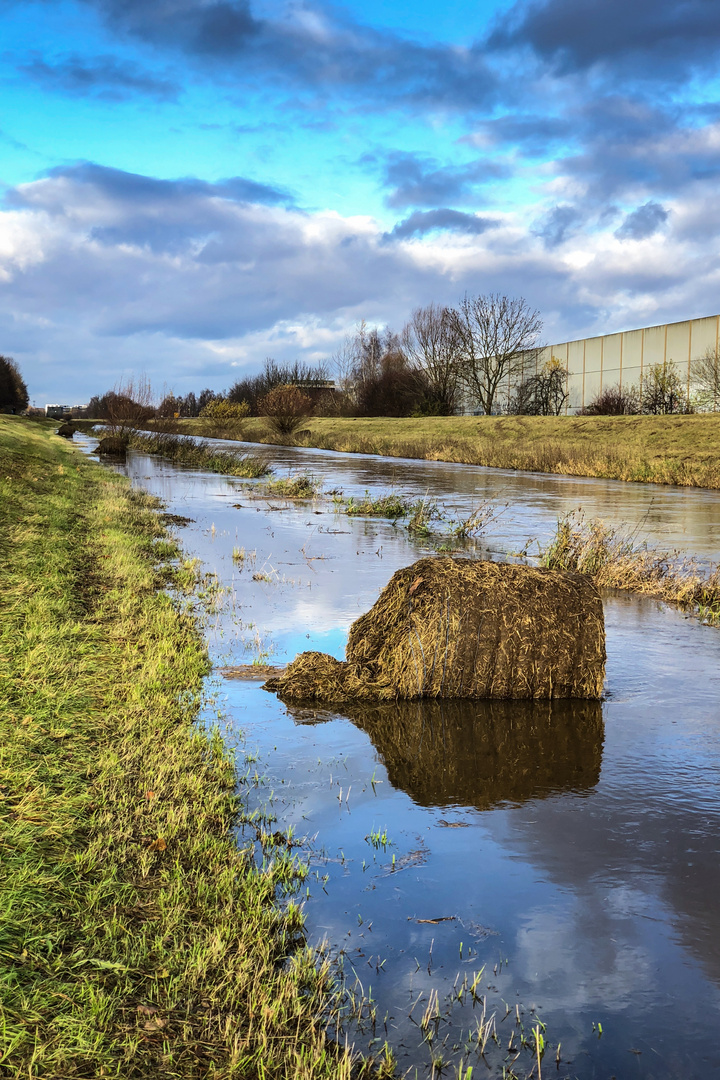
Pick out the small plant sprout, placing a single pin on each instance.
(539, 1045)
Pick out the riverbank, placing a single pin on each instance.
(682, 450)
(137, 940)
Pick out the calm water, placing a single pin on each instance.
(571, 851)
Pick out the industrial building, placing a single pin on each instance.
(597, 363)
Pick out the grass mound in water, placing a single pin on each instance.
(457, 628)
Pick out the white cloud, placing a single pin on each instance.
(105, 273)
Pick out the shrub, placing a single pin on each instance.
(224, 409)
(614, 401)
(662, 391)
(13, 391)
(542, 394)
(286, 409)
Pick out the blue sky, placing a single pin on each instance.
(190, 186)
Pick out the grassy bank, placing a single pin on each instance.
(137, 940)
(658, 449)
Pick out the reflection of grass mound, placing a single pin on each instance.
(455, 628)
(482, 753)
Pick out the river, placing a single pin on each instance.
(570, 854)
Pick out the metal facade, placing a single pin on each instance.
(596, 363)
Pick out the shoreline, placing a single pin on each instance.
(679, 450)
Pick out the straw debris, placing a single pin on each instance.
(459, 628)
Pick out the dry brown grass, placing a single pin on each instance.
(681, 450)
(615, 559)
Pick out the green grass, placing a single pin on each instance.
(385, 506)
(137, 940)
(200, 455)
(659, 449)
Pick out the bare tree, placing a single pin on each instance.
(705, 374)
(129, 406)
(542, 394)
(662, 391)
(432, 344)
(362, 361)
(495, 333)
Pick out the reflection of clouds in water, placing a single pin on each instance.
(563, 979)
(604, 904)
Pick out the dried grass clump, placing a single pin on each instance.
(301, 486)
(456, 628)
(616, 560)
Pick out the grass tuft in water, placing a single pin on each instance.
(299, 486)
(386, 506)
(616, 560)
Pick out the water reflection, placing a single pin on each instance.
(598, 885)
(481, 753)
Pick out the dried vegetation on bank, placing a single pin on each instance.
(682, 450)
(616, 560)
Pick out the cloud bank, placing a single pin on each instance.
(105, 271)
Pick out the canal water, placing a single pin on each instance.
(561, 860)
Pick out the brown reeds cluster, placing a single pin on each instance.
(617, 560)
(458, 628)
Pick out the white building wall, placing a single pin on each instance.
(597, 363)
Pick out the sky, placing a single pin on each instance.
(190, 186)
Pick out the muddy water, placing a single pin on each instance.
(571, 853)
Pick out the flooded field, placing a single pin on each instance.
(488, 872)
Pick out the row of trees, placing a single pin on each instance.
(13, 391)
(443, 356)
(482, 354)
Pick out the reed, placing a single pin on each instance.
(616, 559)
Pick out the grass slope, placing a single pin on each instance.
(659, 449)
(136, 939)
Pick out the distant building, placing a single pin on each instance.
(597, 363)
(65, 412)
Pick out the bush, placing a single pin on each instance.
(542, 394)
(224, 409)
(312, 379)
(286, 409)
(614, 401)
(662, 391)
